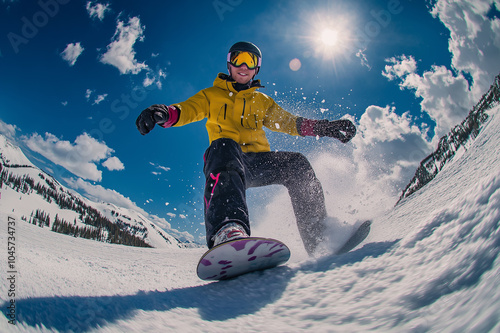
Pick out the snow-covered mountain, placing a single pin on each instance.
(36, 197)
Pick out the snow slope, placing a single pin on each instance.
(430, 265)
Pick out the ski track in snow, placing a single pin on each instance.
(429, 265)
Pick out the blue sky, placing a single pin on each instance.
(74, 75)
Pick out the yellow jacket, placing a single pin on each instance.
(239, 116)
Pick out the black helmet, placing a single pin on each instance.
(246, 46)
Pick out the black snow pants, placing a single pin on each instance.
(229, 172)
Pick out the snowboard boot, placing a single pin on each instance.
(228, 232)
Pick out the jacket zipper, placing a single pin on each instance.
(243, 113)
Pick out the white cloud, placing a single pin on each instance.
(98, 99)
(362, 57)
(474, 39)
(389, 146)
(113, 163)
(399, 67)
(445, 96)
(8, 130)
(385, 153)
(97, 10)
(120, 52)
(80, 157)
(72, 52)
(157, 166)
(88, 93)
(97, 192)
(474, 44)
(379, 124)
(164, 168)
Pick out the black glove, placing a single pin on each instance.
(342, 129)
(155, 114)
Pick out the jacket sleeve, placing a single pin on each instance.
(193, 109)
(279, 120)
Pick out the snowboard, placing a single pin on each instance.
(241, 256)
(356, 238)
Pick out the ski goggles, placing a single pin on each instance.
(238, 58)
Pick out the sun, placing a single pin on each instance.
(331, 41)
(329, 37)
(326, 36)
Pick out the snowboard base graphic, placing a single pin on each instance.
(241, 256)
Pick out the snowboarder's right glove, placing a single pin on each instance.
(155, 114)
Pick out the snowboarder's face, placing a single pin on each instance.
(242, 74)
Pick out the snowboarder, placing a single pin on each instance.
(239, 155)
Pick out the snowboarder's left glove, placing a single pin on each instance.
(343, 129)
(155, 114)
